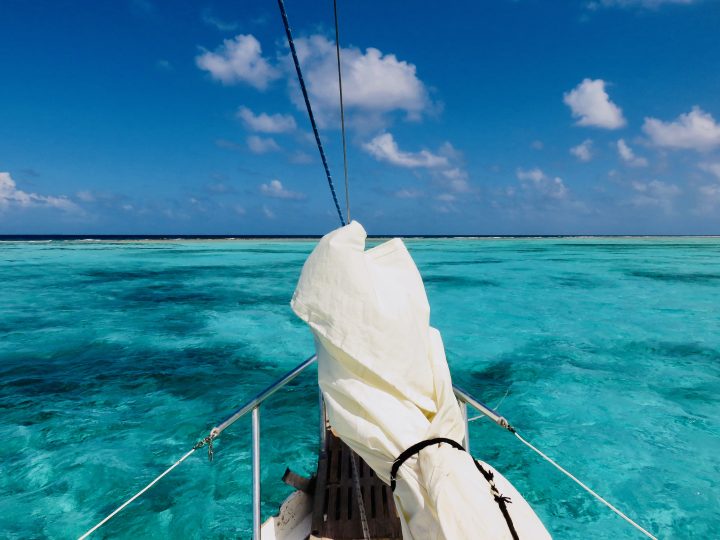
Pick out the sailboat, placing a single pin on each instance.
(394, 458)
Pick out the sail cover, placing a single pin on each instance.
(386, 383)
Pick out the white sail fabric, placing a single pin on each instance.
(387, 386)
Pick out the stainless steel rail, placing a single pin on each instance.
(465, 398)
(253, 406)
(262, 396)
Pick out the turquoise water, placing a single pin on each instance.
(115, 357)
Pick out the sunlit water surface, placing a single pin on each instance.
(115, 357)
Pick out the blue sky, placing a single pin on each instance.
(496, 117)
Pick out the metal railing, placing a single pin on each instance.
(253, 406)
(466, 398)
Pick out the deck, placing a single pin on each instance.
(336, 513)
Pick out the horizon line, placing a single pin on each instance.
(110, 236)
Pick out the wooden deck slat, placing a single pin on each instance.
(336, 514)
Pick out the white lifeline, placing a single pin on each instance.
(387, 386)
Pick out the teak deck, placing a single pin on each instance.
(336, 514)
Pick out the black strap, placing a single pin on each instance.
(488, 475)
(500, 499)
(414, 449)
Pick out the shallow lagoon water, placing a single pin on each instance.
(115, 357)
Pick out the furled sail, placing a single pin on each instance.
(387, 386)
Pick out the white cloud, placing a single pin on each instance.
(372, 81)
(696, 130)
(655, 193)
(11, 196)
(443, 164)
(266, 123)
(268, 213)
(384, 148)
(212, 20)
(537, 145)
(301, 158)
(276, 190)
(457, 179)
(164, 65)
(590, 103)
(85, 196)
(239, 60)
(408, 193)
(538, 181)
(712, 168)
(446, 197)
(628, 156)
(534, 175)
(262, 145)
(583, 151)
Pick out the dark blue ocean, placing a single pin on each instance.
(116, 356)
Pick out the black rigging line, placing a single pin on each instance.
(291, 43)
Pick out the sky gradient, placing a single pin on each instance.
(502, 117)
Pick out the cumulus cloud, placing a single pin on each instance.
(712, 168)
(538, 181)
(12, 197)
(266, 123)
(262, 145)
(628, 156)
(655, 193)
(384, 148)
(276, 190)
(443, 165)
(456, 179)
(583, 151)
(372, 81)
(591, 105)
(239, 60)
(696, 130)
(375, 83)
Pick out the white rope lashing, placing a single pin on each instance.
(573, 478)
(131, 499)
(586, 488)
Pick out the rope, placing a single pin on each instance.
(143, 490)
(291, 43)
(586, 488)
(358, 494)
(342, 112)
